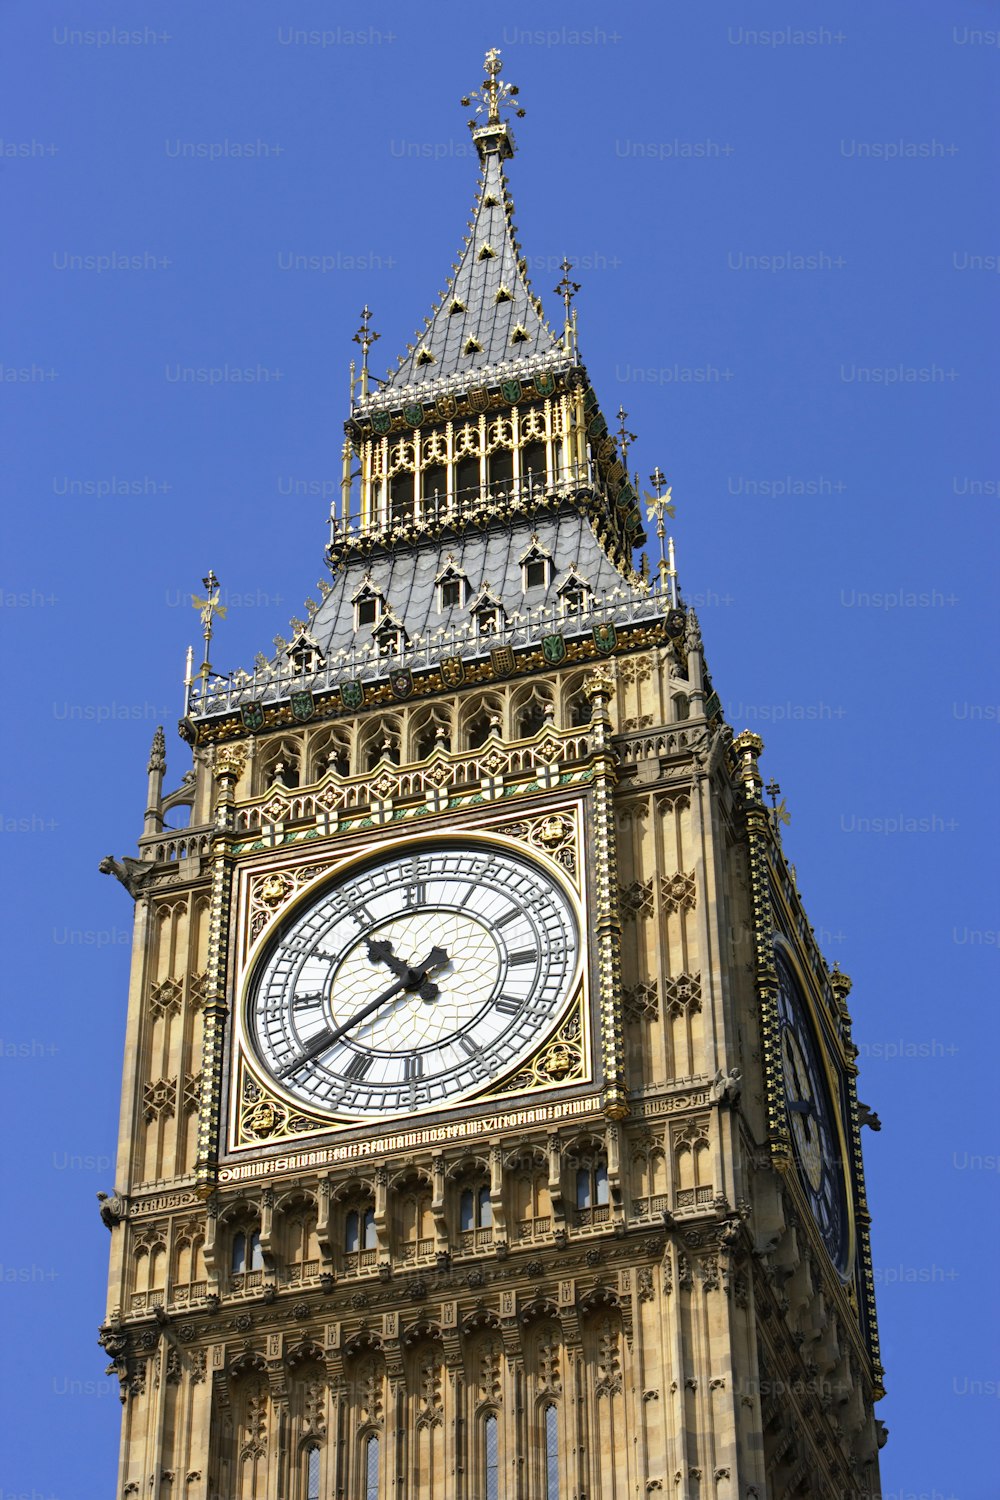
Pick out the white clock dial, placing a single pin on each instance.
(415, 980)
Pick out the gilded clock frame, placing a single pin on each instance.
(260, 1115)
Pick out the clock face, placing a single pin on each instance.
(414, 981)
(811, 1120)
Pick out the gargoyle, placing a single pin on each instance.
(134, 874)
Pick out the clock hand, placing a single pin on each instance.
(801, 1106)
(414, 979)
(380, 952)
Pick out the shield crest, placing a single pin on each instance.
(502, 661)
(352, 694)
(605, 638)
(447, 406)
(303, 705)
(381, 421)
(675, 622)
(553, 649)
(252, 715)
(510, 390)
(452, 671)
(545, 384)
(479, 399)
(401, 682)
(413, 414)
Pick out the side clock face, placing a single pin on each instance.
(415, 980)
(811, 1119)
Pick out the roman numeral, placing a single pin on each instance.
(469, 1048)
(413, 1066)
(416, 894)
(357, 1067)
(509, 917)
(507, 1007)
(311, 999)
(523, 956)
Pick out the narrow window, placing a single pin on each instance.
(451, 592)
(465, 1211)
(485, 1209)
(256, 1253)
(551, 1453)
(367, 608)
(371, 1469)
(239, 1262)
(601, 1184)
(491, 1459)
(435, 488)
(536, 573)
(352, 1237)
(467, 476)
(401, 496)
(312, 1473)
(501, 470)
(533, 466)
(370, 1240)
(583, 1198)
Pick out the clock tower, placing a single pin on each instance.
(489, 1127)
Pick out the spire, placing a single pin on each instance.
(488, 317)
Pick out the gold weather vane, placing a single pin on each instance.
(210, 608)
(779, 810)
(493, 95)
(365, 336)
(656, 508)
(567, 290)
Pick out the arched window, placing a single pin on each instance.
(491, 1459)
(312, 1473)
(551, 1452)
(371, 1468)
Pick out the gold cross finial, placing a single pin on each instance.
(567, 290)
(493, 94)
(210, 608)
(625, 438)
(365, 336)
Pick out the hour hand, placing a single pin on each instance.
(380, 952)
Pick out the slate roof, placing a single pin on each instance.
(490, 263)
(407, 579)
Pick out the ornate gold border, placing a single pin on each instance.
(270, 885)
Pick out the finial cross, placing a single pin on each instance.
(625, 438)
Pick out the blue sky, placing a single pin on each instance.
(783, 219)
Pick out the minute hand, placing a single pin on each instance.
(414, 979)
